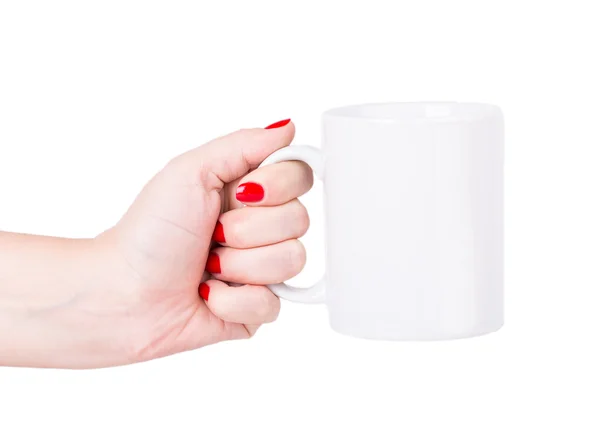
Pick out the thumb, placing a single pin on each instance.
(230, 157)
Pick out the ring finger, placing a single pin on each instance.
(258, 266)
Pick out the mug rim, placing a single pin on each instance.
(414, 111)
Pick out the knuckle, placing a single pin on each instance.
(177, 167)
(295, 257)
(268, 309)
(239, 232)
(249, 332)
(308, 175)
(181, 169)
(241, 132)
(301, 219)
(235, 235)
(274, 312)
(246, 131)
(175, 162)
(245, 134)
(251, 329)
(270, 305)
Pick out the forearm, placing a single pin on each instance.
(45, 318)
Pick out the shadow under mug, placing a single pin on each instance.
(413, 217)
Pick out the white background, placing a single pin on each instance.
(96, 96)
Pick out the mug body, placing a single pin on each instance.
(414, 220)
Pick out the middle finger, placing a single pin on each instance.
(260, 226)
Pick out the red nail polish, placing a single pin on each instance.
(219, 234)
(213, 263)
(249, 192)
(204, 290)
(279, 124)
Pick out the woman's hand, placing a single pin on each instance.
(160, 281)
(167, 244)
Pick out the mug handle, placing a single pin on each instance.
(313, 157)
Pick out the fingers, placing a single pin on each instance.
(229, 157)
(272, 185)
(258, 266)
(255, 226)
(248, 304)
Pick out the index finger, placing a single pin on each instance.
(275, 184)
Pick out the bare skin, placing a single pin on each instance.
(131, 293)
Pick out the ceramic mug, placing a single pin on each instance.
(414, 219)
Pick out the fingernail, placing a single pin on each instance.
(204, 290)
(279, 124)
(249, 192)
(213, 264)
(219, 234)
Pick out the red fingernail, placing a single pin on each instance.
(213, 264)
(204, 290)
(249, 192)
(219, 235)
(279, 124)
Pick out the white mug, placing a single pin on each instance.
(414, 220)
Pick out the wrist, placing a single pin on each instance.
(50, 311)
